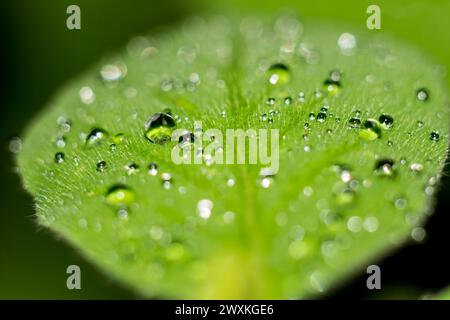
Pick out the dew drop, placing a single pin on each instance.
(312, 116)
(158, 128)
(386, 121)
(120, 195)
(118, 138)
(131, 168)
(96, 136)
(153, 169)
(420, 124)
(347, 43)
(204, 208)
(418, 234)
(15, 145)
(186, 140)
(279, 74)
(384, 167)
(60, 142)
(111, 73)
(416, 167)
(321, 116)
(370, 130)
(434, 136)
(166, 179)
(288, 101)
(59, 157)
(87, 95)
(101, 166)
(354, 123)
(422, 94)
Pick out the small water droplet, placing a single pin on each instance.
(287, 101)
(416, 167)
(354, 123)
(59, 157)
(120, 195)
(301, 97)
(434, 136)
(279, 74)
(204, 208)
(347, 43)
(332, 86)
(386, 121)
(355, 224)
(119, 138)
(158, 128)
(385, 167)
(153, 169)
(422, 94)
(186, 140)
(166, 179)
(96, 136)
(370, 130)
(270, 101)
(87, 95)
(321, 116)
(60, 142)
(101, 166)
(419, 124)
(15, 145)
(131, 168)
(312, 116)
(111, 73)
(418, 234)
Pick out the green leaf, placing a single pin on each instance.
(343, 195)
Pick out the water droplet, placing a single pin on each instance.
(101, 166)
(279, 74)
(153, 169)
(354, 123)
(96, 136)
(60, 142)
(111, 73)
(347, 43)
(386, 121)
(400, 203)
(131, 168)
(345, 196)
(15, 145)
(112, 147)
(321, 116)
(64, 124)
(301, 97)
(416, 167)
(122, 214)
(389, 143)
(422, 94)
(332, 86)
(270, 101)
(166, 179)
(312, 116)
(370, 224)
(355, 224)
(418, 234)
(434, 136)
(228, 217)
(158, 128)
(287, 101)
(419, 124)
(87, 96)
(384, 167)
(204, 208)
(120, 195)
(186, 140)
(370, 130)
(59, 157)
(118, 138)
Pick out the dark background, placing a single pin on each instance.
(39, 54)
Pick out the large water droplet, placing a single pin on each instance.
(120, 195)
(370, 130)
(434, 136)
(279, 74)
(158, 128)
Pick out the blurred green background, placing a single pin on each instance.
(39, 54)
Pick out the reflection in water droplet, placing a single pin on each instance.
(158, 128)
